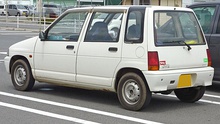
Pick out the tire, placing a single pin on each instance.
(21, 76)
(132, 92)
(190, 95)
(18, 14)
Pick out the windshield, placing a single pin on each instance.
(177, 28)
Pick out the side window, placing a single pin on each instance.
(104, 27)
(14, 7)
(67, 28)
(134, 26)
(205, 15)
(10, 6)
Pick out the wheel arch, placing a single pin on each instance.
(17, 57)
(123, 71)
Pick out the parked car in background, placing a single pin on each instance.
(76, 50)
(208, 14)
(16, 10)
(31, 9)
(2, 10)
(51, 10)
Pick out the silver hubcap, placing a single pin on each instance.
(20, 75)
(131, 92)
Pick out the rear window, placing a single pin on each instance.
(176, 28)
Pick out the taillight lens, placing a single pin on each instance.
(153, 61)
(209, 57)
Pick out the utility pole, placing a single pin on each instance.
(136, 2)
(6, 9)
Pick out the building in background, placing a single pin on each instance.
(23, 2)
(64, 2)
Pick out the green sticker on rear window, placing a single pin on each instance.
(205, 60)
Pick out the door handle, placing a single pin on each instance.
(112, 49)
(69, 47)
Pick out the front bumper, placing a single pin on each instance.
(7, 63)
(168, 80)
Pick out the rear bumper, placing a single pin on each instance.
(168, 80)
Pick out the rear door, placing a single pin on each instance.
(208, 16)
(100, 52)
(214, 46)
(179, 40)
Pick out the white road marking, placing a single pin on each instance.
(201, 100)
(214, 96)
(49, 114)
(109, 114)
(4, 53)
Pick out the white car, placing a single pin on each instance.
(163, 50)
(16, 10)
(2, 10)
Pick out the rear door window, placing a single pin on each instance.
(205, 16)
(176, 28)
(104, 27)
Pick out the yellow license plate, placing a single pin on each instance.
(184, 81)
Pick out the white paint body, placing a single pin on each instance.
(92, 66)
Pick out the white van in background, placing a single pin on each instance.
(2, 10)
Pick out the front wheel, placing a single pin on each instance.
(21, 76)
(132, 92)
(190, 95)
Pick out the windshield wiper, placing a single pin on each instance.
(182, 41)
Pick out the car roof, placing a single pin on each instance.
(126, 7)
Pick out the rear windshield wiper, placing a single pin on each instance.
(182, 41)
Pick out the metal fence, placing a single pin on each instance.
(22, 22)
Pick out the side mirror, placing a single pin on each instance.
(42, 36)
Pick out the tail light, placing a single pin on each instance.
(153, 61)
(209, 57)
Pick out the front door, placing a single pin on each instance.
(55, 57)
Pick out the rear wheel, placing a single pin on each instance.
(21, 76)
(18, 14)
(190, 94)
(132, 92)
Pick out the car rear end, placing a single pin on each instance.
(178, 57)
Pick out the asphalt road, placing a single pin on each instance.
(47, 104)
